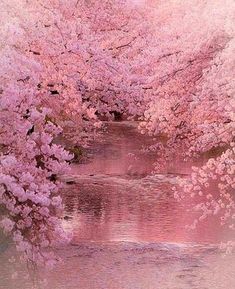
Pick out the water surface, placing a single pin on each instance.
(129, 231)
(118, 197)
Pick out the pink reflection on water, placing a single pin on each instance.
(117, 199)
(112, 202)
(111, 214)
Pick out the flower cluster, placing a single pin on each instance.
(30, 162)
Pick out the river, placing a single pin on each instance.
(128, 230)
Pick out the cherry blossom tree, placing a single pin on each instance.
(194, 105)
(30, 163)
(66, 65)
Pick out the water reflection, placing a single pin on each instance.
(117, 198)
(121, 150)
(133, 213)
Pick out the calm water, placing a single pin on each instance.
(129, 231)
(141, 210)
(117, 198)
